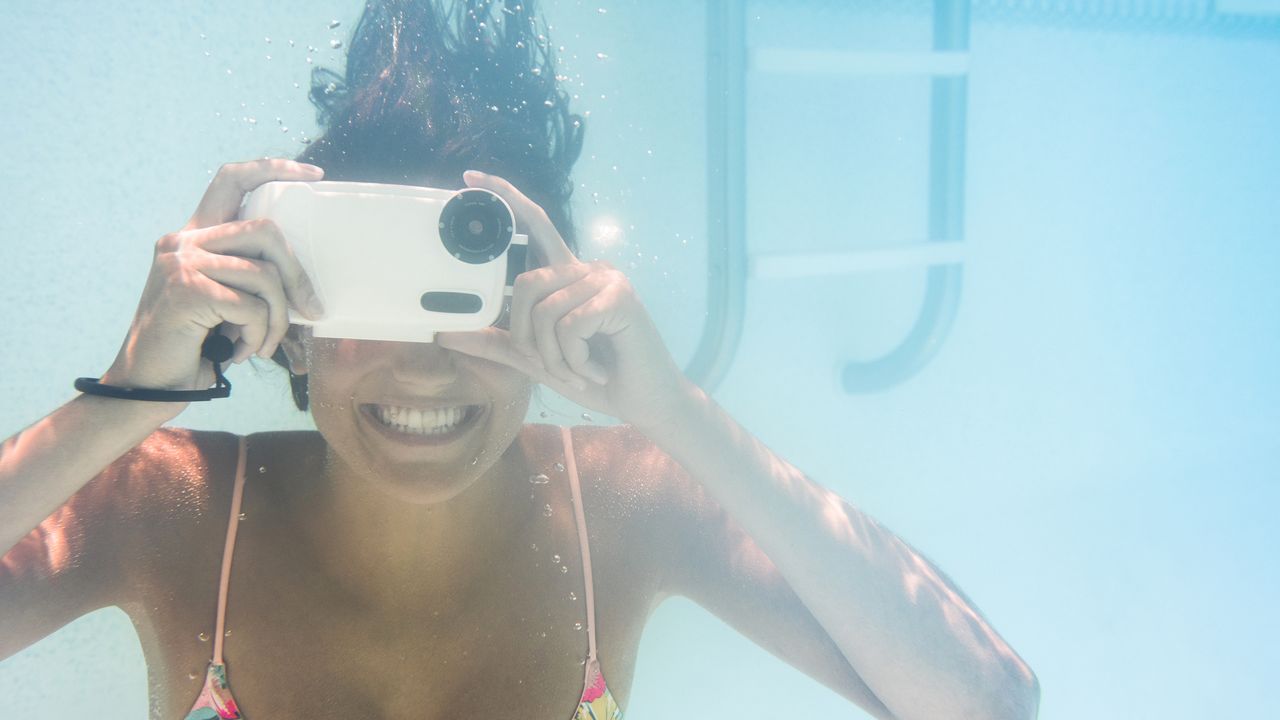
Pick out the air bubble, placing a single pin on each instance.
(226, 634)
(546, 511)
(586, 416)
(534, 546)
(573, 596)
(564, 569)
(242, 516)
(334, 23)
(543, 414)
(577, 626)
(601, 56)
(204, 637)
(191, 676)
(262, 469)
(559, 467)
(539, 479)
(555, 559)
(602, 11)
(335, 43)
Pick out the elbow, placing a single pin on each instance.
(1017, 697)
(1032, 701)
(1020, 698)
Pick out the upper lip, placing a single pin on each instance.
(433, 404)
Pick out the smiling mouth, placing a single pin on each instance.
(438, 424)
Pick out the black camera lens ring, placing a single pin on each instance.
(476, 226)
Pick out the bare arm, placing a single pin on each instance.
(44, 465)
(905, 629)
(215, 271)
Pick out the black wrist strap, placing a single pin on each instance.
(217, 349)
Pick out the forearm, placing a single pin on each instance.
(908, 632)
(45, 464)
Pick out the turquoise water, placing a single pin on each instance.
(1092, 455)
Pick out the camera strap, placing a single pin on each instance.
(217, 348)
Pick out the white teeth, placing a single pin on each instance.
(420, 422)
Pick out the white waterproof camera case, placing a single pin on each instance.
(396, 262)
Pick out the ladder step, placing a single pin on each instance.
(783, 61)
(780, 266)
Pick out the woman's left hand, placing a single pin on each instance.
(577, 327)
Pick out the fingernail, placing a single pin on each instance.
(313, 169)
(314, 308)
(476, 173)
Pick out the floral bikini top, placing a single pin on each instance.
(216, 703)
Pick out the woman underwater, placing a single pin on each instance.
(398, 562)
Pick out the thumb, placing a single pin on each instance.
(493, 344)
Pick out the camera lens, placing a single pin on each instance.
(476, 226)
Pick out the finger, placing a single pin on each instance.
(259, 278)
(576, 328)
(543, 236)
(493, 344)
(245, 310)
(221, 201)
(547, 316)
(262, 240)
(531, 288)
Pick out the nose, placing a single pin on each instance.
(423, 366)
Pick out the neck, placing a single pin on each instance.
(390, 553)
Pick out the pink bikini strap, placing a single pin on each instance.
(572, 466)
(227, 551)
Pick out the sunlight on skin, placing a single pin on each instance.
(46, 549)
(919, 644)
(57, 543)
(923, 584)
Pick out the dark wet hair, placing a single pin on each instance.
(433, 88)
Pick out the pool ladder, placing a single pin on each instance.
(729, 64)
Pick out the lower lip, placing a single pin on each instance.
(473, 417)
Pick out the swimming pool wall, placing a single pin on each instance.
(1093, 453)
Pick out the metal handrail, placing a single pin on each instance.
(727, 260)
(946, 217)
(726, 194)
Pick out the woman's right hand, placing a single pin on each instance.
(240, 274)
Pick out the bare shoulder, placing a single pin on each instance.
(157, 481)
(166, 496)
(631, 487)
(624, 476)
(124, 525)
